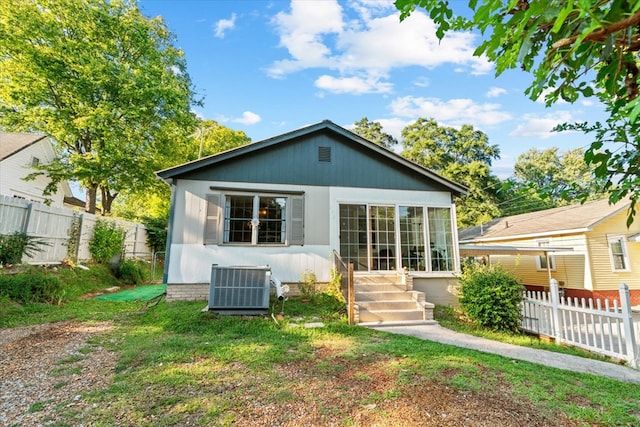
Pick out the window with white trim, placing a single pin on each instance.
(441, 239)
(254, 219)
(618, 253)
(541, 260)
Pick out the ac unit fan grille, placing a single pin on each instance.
(239, 288)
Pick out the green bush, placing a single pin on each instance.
(107, 242)
(133, 272)
(156, 233)
(491, 297)
(309, 285)
(335, 285)
(14, 246)
(32, 287)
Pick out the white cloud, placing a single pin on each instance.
(394, 126)
(354, 85)
(248, 118)
(453, 112)
(223, 25)
(495, 92)
(422, 81)
(301, 33)
(373, 42)
(536, 126)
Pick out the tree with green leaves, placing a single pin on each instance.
(213, 138)
(572, 49)
(104, 81)
(549, 178)
(463, 155)
(373, 132)
(153, 200)
(561, 176)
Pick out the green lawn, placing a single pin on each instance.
(179, 365)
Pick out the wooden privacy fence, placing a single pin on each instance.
(606, 329)
(64, 229)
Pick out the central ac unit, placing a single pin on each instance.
(239, 289)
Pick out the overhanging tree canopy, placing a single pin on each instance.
(103, 80)
(571, 48)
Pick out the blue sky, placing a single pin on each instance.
(269, 67)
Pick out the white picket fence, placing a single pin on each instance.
(54, 226)
(605, 328)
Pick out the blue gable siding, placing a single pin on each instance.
(296, 161)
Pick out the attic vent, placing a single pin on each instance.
(324, 154)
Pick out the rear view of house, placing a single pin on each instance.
(290, 201)
(587, 248)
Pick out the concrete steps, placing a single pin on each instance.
(386, 300)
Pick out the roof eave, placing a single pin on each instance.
(172, 172)
(481, 250)
(529, 235)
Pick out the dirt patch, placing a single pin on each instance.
(47, 367)
(369, 393)
(45, 370)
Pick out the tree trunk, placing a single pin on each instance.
(107, 200)
(90, 204)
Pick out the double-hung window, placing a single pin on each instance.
(618, 253)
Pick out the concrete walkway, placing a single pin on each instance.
(435, 332)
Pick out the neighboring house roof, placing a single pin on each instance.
(572, 218)
(74, 201)
(482, 250)
(11, 143)
(192, 170)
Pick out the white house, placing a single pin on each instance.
(291, 200)
(19, 152)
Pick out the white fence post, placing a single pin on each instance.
(27, 218)
(627, 321)
(554, 297)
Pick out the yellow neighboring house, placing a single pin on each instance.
(587, 248)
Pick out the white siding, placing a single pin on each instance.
(17, 166)
(190, 260)
(604, 276)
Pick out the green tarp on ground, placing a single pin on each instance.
(139, 293)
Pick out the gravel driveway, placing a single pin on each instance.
(45, 369)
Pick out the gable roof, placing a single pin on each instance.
(572, 218)
(11, 143)
(325, 126)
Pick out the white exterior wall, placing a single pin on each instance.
(17, 166)
(190, 260)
